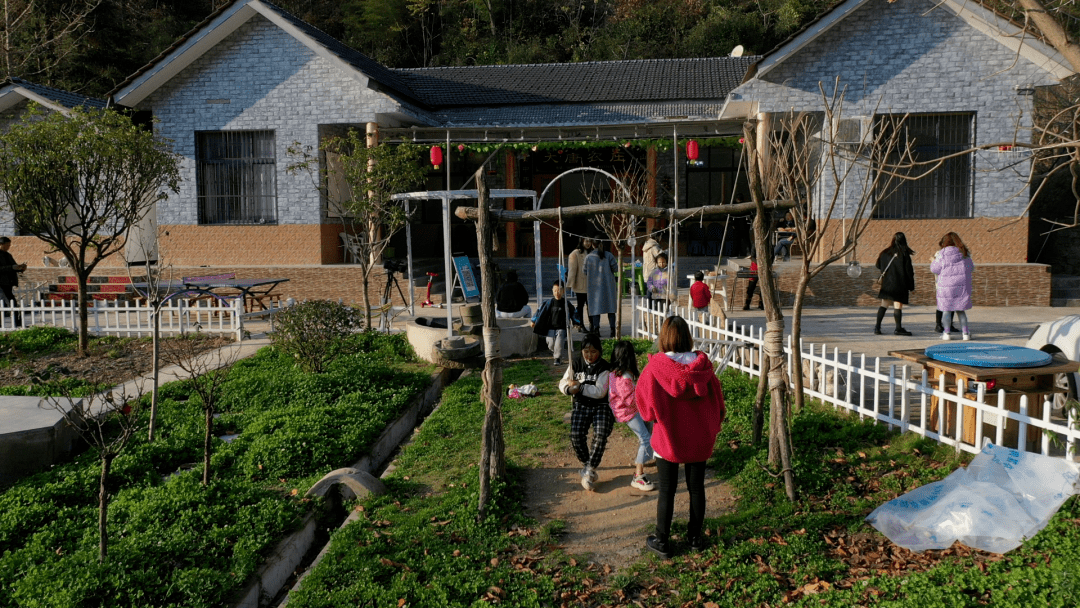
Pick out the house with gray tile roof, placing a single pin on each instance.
(252, 81)
(16, 92)
(962, 75)
(239, 90)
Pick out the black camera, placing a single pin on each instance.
(392, 265)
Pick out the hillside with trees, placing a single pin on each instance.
(87, 46)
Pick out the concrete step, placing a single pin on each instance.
(1065, 281)
(1066, 302)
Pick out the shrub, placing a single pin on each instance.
(313, 332)
(38, 339)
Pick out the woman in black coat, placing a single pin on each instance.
(897, 280)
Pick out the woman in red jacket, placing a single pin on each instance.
(680, 393)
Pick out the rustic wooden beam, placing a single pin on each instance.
(552, 214)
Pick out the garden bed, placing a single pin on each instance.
(173, 541)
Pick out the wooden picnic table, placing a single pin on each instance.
(222, 287)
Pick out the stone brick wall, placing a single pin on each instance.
(187, 245)
(992, 285)
(260, 78)
(991, 240)
(919, 57)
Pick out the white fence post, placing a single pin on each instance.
(899, 413)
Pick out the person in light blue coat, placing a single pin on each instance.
(600, 271)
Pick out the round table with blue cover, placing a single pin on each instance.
(1017, 370)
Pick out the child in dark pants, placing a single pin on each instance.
(587, 381)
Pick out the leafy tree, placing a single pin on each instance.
(80, 181)
(359, 181)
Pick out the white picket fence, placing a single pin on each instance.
(116, 318)
(892, 394)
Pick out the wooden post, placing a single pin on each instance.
(779, 437)
(492, 446)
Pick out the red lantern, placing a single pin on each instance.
(436, 156)
(692, 150)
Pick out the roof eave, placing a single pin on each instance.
(1011, 36)
(822, 25)
(16, 94)
(163, 70)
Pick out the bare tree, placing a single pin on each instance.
(157, 288)
(36, 38)
(773, 346)
(207, 372)
(808, 151)
(106, 422)
(620, 228)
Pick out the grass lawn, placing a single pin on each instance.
(421, 544)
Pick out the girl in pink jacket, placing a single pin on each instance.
(624, 372)
(679, 391)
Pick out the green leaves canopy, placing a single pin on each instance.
(79, 181)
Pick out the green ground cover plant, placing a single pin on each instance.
(420, 545)
(174, 542)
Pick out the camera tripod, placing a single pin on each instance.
(386, 302)
(392, 282)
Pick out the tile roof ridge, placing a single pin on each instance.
(572, 63)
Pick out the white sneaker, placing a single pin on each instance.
(967, 336)
(945, 336)
(641, 482)
(588, 476)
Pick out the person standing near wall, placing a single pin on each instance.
(650, 251)
(953, 266)
(897, 280)
(601, 269)
(9, 276)
(576, 280)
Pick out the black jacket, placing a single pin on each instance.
(548, 317)
(899, 280)
(512, 297)
(8, 275)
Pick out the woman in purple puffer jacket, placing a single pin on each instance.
(953, 266)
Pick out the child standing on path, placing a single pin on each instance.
(586, 380)
(679, 391)
(657, 282)
(624, 373)
(953, 266)
(700, 294)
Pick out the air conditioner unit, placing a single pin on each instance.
(852, 131)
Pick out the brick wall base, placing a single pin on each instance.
(992, 285)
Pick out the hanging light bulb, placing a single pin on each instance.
(854, 270)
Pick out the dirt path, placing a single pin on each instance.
(611, 522)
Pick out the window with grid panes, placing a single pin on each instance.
(235, 172)
(945, 192)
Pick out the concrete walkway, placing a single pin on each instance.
(852, 328)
